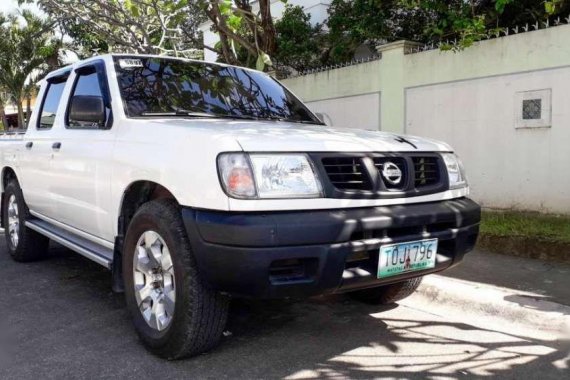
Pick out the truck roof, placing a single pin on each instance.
(67, 68)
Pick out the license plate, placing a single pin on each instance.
(406, 257)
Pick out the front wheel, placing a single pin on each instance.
(175, 312)
(388, 294)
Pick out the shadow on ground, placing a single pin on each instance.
(61, 320)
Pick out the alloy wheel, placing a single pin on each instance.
(154, 281)
(13, 221)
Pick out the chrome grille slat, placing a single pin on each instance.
(426, 171)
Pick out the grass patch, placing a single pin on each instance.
(526, 224)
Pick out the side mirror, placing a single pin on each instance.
(87, 111)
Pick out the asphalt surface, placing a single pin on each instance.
(59, 319)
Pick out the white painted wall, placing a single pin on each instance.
(316, 8)
(360, 111)
(210, 39)
(511, 168)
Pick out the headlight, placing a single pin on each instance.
(455, 171)
(268, 176)
(284, 176)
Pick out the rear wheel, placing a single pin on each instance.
(23, 244)
(175, 312)
(388, 294)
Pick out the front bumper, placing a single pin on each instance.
(305, 253)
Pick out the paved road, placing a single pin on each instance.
(59, 319)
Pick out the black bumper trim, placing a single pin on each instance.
(327, 226)
(239, 252)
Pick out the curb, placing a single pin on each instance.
(493, 305)
(530, 248)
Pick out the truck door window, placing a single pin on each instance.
(86, 84)
(50, 103)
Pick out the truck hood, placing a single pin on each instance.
(272, 136)
(287, 137)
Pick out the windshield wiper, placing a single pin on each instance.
(199, 114)
(185, 113)
(279, 118)
(179, 113)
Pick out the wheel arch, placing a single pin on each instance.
(135, 195)
(8, 173)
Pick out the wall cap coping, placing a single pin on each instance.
(404, 45)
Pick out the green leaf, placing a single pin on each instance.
(226, 7)
(234, 21)
(263, 60)
(132, 8)
(260, 64)
(266, 59)
(550, 7)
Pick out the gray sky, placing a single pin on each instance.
(9, 6)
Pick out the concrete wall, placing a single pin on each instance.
(348, 97)
(508, 167)
(472, 99)
(338, 112)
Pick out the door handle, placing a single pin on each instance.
(56, 145)
(29, 144)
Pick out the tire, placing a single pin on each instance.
(23, 244)
(388, 294)
(196, 322)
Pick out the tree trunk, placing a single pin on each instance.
(28, 110)
(3, 118)
(216, 17)
(269, 33)
(21, 124)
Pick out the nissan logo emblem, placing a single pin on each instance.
(392, 173)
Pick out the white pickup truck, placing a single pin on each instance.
(194, 182)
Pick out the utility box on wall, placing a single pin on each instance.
(533, 109)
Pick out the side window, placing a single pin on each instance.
(87, 98)
(50, 103)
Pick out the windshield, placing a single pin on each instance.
(153, 87)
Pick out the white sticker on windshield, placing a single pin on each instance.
(130, 63)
